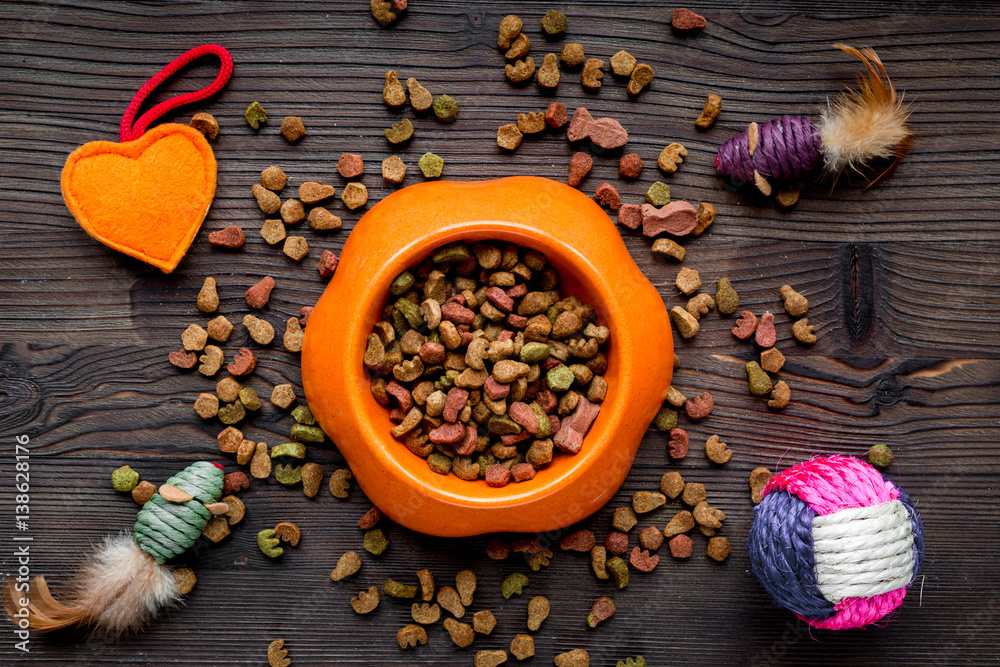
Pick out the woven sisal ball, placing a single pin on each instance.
(835, 542)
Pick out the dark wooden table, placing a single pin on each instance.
(903, 281)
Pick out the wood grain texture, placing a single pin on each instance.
(903, 282)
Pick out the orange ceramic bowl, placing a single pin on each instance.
(583, 245)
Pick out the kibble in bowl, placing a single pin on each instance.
(581, 246)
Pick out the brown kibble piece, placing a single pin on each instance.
(267, 201)
(706, 216)
(521, 71)
(393, 169)
(786, 198)
(312, 192)
(796, 304)
(228, 391)
(707, 516)
(292, 212)
(699, 407)
(465, 584)
(497, 549)
(745, 326)
(598, 559)
(593, 72)
(510, 27)
(780, 395)
(556, 115)
(393, 92)
(579, 166)
(548, 73)
(678, 444)
(713, 105)
(630, 166)
(623, 519)
(670, 157)
(685, 19)
(489, 658)
(206, 406)
(509, 137)
(650, 538)
(622, 63)
(575, 658)
(143, 492)
(581, 540)
(273, 231)
(194, 338)
(641, 77)
(647, 501)
(312, 478)
(282, 395)
(771, 360)
(519, 47)
(694, 493)
(320, 219)
(217, 528)
(531, 123)
(366, 601)
(234, 482)
(206, 124)
(572, 55)
(292, 128)
(538, 611)
(759, 478)
(273, 178)
(607, 195)
(230, 237)
(347, 565)
(699, 305)
(671, 484)
(244, 452)
(294, 335)
(399, 133)
(540, 560)
(803, 331)
(717, 451)
(326, 266)
(286, 531)
(687, 325)
(682, 522)
(678, 218)
(522, 647)
(296, 247)
(681, 546)
(688, 281)
(235, 509)
(208, 296)
(260, 464)
(211, 360)
(409, 636)
(483, 621)
(718, 549)
(449, 599)
(461, 633)
(258, 295)
(277, 654)
(340, 483)
(184, 580)
(420, 98)
(354, 195)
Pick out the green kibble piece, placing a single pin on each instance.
(268, 542)
(552, 313)
(306, 433)
(398, 590)
(402, 284)
(430, 165)
(533, 353)
(445, 108)
(560, 378)
(446, 381)
(665, 419)
(124, 479)
(760, 382)
(880, 456)
(639, 661)
(503, 425)
(255, 115)
(726, 298)
(399, 323)
(376, 542)
(295, 450)
(439, 463)
(250, 399)
(554, 23)
(411, 312)
(400, 132)
(619, 571)
(456, 252)
(288, 475)
(485, 461)
(544, 425)
(303, 415)
(658, 194)
(232, 413)
(513, 585)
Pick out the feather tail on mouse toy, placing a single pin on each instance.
(124, 584)
(861, 125)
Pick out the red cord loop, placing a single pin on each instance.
(130, 132)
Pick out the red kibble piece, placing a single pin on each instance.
(699, 407)
(447, 434)
(678, 218)
(327, 264)
(630, 215)
(607, 133)
(401, 394)
(522, 414)
(497, 475)
(766, 336)
(506, 334)
(745, 325)
(681, 546)
(243, 364)
(230, 237)
(432, 353)
(547, 401)
(517, 291)
(581, 540)
(497, 549)
(616, 542)
(630, 166)
(350, 165)
(500, 299)
(579, 166)
(183, 359)
(579, 126)
(258, 295)
(516, 321)
(468, 444)
(679, 443)
(513, 438)
(569, 438)
(495, 390)
(641, 560)
(685, 19)
(235, 482)
(522, 472)
(554, 423)
(550, 363)
(369, 519)
(607, 195)
(304, 314)
(454, 404)
(456, 312)
(556, 115)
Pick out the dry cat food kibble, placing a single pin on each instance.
(410, 636)
(489, 658)
(255, 115)
(630, 215)
(531, 123)
(706, 216)
(393, 92)
(607, 195)
(579, 166)
(575, 658)
(277, 654)
(796, 304)
(606, 133)
(400, 132)
(630, 166)
(521, 71)
(670, 157)
(641, 77)
(658, 194)
(713, 105)
(548, 73)
(430, 165)
(622, 63)
(685, 19)
(206, 124)
(273, 178)
(509, 137)
(554, 23)
(420, 98)
(593, 73)
(726, 298)
(445, 108)
(780, 395)
(880, 456)
(292, 128)
(476, 355)
(766, 336)
(518, 48)
(678, 218)
(556, 115)
(230, 237)
(602, 610)
(745, 325)
(803, 331)
(510, 27)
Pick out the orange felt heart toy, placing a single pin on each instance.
(146, 198)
